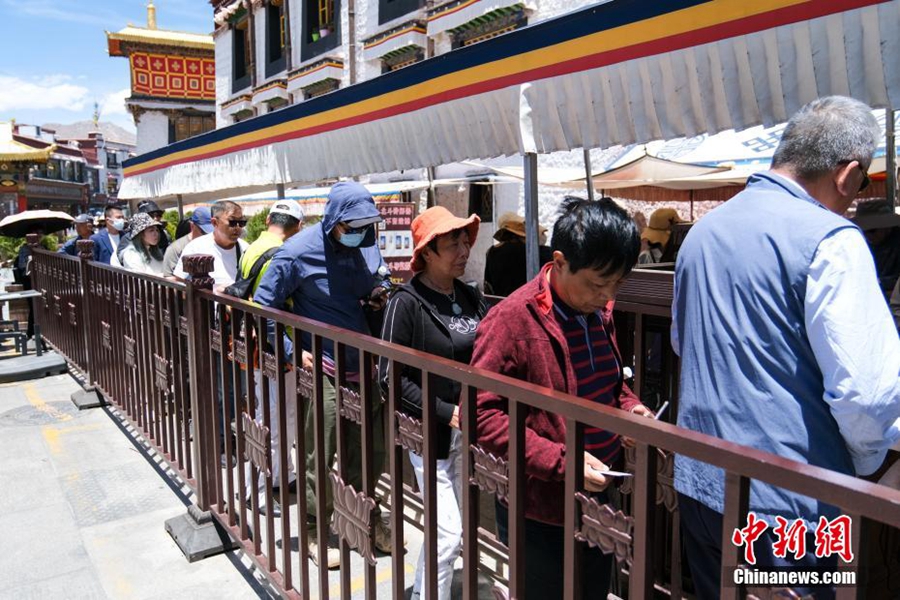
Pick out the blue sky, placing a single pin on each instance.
(55, 63)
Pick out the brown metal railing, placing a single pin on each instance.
(159, 351)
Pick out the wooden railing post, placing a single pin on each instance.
(197, 533)
(88, 396)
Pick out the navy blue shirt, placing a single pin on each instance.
(596, 370)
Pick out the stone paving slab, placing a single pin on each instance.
(78, 584)
(39, 544)
(82, 509)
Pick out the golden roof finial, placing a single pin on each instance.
(151, 15)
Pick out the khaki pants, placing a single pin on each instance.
(353, 458)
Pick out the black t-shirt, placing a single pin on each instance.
(462, 326)
(505, 270)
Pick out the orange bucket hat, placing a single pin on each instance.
(434, 222)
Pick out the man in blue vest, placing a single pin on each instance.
(786, 342)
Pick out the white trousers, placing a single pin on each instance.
(275, 430)
(449, 516)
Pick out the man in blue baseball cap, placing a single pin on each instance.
(201, 223)
(330, 272)
(84, 228)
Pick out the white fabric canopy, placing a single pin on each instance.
(734, 83)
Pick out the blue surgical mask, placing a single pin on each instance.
(352, 240)
(118, 224)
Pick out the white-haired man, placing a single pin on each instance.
(785, 339)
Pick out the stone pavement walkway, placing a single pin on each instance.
(82, 507)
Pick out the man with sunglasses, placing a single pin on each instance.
(785, 340)
(223, 243)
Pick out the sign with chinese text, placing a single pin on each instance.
(394, 238)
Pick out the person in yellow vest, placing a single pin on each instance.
(285, 219)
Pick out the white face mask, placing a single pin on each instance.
(118, 224)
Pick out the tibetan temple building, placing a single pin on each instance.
(173, 82)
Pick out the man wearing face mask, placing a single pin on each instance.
(330, 271)
(106, 241)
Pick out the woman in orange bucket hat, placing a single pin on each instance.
(437, 313)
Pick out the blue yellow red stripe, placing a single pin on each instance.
(588, 39)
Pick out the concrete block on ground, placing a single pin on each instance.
(21, 368)
(85, 399)
(198, 534)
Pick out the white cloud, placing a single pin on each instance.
(50, 9)
(52, 91)
(114, 104)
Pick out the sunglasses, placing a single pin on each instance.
(362, 229)
(866, 180)
(237, 222)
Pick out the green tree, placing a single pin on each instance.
(171, 219)
(9, 246)
(256, 225)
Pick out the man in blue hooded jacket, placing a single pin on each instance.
(329, 272)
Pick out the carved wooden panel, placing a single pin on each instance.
(91, 287)
(105, 335)
(215, 340)
(240, 351)
(352, 521)
(305, 383)
(109, 292)
(161, 371)
(489, 472)
(45, 299)
(605, 528)
(130, 352)
(126, 302)
(151, 311)
(57, 305)
(167, 318)
(665, 477)
(73, 315)
(118, 297)
(409, 433)
(183, 325)
(257, 439)
(350, 405)
(139, 306)
(270, 365)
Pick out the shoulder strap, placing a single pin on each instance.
(261, 262)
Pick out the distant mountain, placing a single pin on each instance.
(81, 129)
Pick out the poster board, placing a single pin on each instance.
(394, 238)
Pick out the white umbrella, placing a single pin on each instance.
(23, 223)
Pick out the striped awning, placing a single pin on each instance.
(620, 72)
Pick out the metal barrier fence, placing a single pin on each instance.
(166, 353)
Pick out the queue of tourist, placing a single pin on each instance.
(781, 318)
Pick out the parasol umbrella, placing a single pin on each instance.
(23, 223)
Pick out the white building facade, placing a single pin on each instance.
(275, 53)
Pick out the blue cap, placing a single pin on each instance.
(202, 218)
(84, 218)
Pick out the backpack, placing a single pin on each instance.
(243, 286)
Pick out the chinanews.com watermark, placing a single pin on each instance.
(792, 577)
(832, 538)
